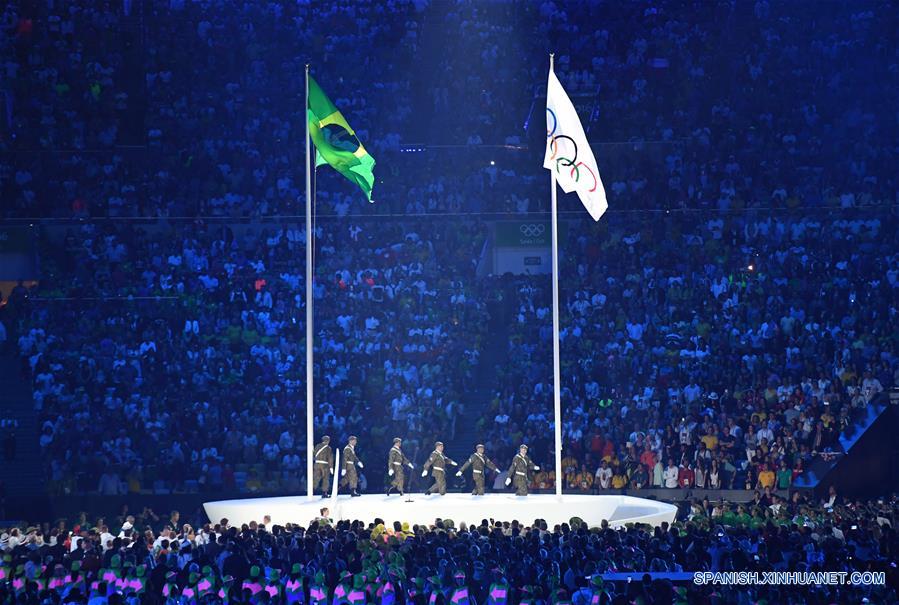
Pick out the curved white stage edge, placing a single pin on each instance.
(423, 509)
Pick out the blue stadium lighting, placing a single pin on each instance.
(369, 379)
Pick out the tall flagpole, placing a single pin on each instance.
(557, 394)
(310, 333)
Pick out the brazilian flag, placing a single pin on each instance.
(336, 143)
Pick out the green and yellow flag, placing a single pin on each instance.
(338, 145)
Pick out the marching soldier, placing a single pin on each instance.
(518, 472)
(348, 474)
(479, 463)
(395, 463)
(438, 462)
(323, 465)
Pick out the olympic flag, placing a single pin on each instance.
(568, 153)
(571, 164)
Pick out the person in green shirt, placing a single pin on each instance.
(757, 521)
(784, 476)
(728, 517)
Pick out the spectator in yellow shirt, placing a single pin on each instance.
(544, 480)
(710, 439)
(612, 460)
(766, 477)
(582, 480)
(619, 479)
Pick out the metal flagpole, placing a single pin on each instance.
(310, 334)
(557, 395)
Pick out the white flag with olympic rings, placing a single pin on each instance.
(568, 153)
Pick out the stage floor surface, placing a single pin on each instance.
(423, 509)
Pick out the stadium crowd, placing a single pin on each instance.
(147, 559)
(699, 93)
(722, 352)
(196, 337)
(807, 340)
(698, 349)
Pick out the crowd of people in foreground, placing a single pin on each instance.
(145, 559)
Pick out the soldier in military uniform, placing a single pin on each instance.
(479, 464)
(322, 465)
(518, 472)
(437, 461)
(348, 476)
(395, 463)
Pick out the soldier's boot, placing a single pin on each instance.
(390, 489)
(354, 493)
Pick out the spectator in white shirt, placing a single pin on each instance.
(106, 538)
(291, 462)
(109, 484)
(692, 392)
(285, 441)
(604, 475)
(670, 475)
(270, 452)
(871, 386)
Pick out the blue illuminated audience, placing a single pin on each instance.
(729, 318)
(140, 560)
(700, 338)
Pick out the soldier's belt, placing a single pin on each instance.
(520, 473)
(437, 468)
(397, 463)
(476, 471)
(321, 462)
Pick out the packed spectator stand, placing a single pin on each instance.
(150, 558)
(730, 316)
(166, 354)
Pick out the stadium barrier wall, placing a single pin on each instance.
(191, 504)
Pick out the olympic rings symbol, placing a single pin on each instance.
(554, 142)
(576, 175)
(563, 161)
(532, 229)
(549, 132)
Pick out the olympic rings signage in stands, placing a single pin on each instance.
(532, 229)
(526, 234)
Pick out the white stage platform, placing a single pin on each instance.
(423, 509)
